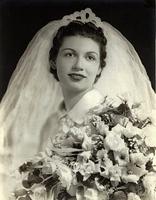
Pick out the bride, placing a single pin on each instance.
(89, 60)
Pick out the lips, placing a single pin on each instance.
(76, 76)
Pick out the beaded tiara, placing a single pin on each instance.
(83, 16)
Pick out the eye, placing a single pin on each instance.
(91, 58)
(69, 54)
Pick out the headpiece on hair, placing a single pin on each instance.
(84, 16)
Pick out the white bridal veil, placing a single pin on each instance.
(33, 95)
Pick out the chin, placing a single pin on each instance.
(78, 89)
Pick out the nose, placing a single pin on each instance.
(78, 64)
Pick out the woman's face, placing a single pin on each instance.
(78, 63)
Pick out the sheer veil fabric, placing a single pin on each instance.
(33, 94)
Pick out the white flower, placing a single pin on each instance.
(94, 118)
(131, 130)
(76, 133)
(86, 169)
(65, 128)
(122, 157)
(39, 192)
(140, 112)
(115, 173)
(118, 129)
(102, 128)
(95, 121)
(113, 101)
(104, 163)
(114, 142)
(130, 178)
(49, 168)
(102, 154)
(104, 168)
(138, 158)
(132, 173)
(87, 143)
(90, 194)
(149, 182)
(86, 129)
(149, 132)
(65, 175)
(58, 140)
(133, 196)
(66, 124)
(93, 194)
(128, 131)
(84, 156)
(76, 166)
(52, 167)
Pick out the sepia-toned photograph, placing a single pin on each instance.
(77, 100)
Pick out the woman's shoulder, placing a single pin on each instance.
(89, 100)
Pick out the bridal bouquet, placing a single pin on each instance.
(104, 158)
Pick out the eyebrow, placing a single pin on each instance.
(67, 49)
(75, 51)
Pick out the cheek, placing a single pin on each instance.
(94, 70)
(93, 74)
(62, 69)
(60, 72)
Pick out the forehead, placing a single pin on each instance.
(80, 43)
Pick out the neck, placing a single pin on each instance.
(71, 98)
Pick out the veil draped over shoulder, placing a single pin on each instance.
(33, 94)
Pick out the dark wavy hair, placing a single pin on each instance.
(74, 28)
